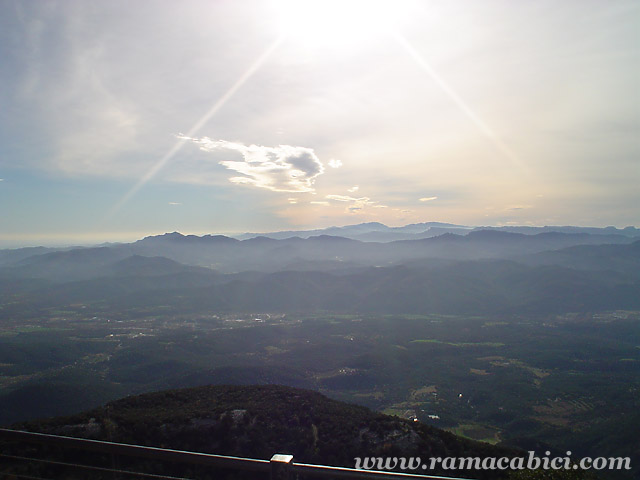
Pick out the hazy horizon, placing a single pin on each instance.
(95, 239)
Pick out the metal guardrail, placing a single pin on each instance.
(280, 467)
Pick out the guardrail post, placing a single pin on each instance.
(281, 467)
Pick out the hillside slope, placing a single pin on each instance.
(258, 421)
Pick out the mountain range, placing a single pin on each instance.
(480, 271)
(378, 232)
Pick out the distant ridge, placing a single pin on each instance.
(178, 237)
(373, 231)
(378, 232)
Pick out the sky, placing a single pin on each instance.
(121, 119)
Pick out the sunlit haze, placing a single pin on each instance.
(125, 119)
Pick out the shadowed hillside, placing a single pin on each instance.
(258, 421)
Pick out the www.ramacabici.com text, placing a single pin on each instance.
(530, 462)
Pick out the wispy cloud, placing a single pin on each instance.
(357, 204)
(353, 189)
(428, 199)
(346, 198)
(284, 168)
(175, 203)
(333, 163)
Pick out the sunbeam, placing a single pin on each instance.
(462, 105)
(197, 126)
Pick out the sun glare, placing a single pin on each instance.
(337, 23)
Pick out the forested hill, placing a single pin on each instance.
(258, 421)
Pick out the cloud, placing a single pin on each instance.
(353, 189)
(357, 204)
(1, 179)
(175, 203)
(292, 201)
(428, 199)
(320, 203)
(284, 168)
(333, 163)
(344, 198)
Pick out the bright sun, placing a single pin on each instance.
(337, 23)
